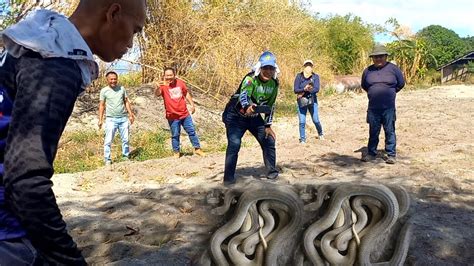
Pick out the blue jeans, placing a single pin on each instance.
(18, 251)
(188, 125)
(236, 126)
(313, 110)
(112, 124)
(376, 119)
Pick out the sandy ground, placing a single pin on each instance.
(155, 213)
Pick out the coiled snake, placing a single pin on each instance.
(343, 223)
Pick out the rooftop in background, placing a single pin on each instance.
(456, 69)
(469, 57)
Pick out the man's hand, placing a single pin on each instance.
(192, 109)
(269, 132)
(250, 110)
(101, 122)
(308, 87)
(131, 117)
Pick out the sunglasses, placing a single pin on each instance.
(379, 56)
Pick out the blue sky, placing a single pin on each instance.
(457, 15)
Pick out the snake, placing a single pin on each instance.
(332, 254)
(403, 198)
(250, 243)
(367, 211)
(342, 192)
(236, 256)
(275, 255)
(361, 227)
(229, 198)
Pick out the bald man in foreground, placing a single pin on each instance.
(48, 61)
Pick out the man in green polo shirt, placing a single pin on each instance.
(118, 112)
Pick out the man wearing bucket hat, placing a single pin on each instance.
(382, 81)
(306, 86)
(254, 98)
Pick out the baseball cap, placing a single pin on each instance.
(267, 59)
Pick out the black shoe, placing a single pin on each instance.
(272, 176)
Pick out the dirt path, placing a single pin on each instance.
(162, 201)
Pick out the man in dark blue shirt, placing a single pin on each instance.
(382, 81)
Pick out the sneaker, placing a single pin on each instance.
(199, 152)
(272, 176)
(390, 160)
(177, 154)
(367, 158)
(108, 162)
(302, 141)
(321, 137)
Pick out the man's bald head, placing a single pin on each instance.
(92, 5)
(108, 26)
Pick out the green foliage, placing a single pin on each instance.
(469, 41)
(151, 144)
(444, 44)
(83, 150)
(349, 40)
(412, 56)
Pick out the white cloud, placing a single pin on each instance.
(456, 15)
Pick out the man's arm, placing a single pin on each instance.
(400, 79)
(157, 90)
(363, 82)
(128, 106)
(101, 113)
(191, 102)
(46, 92)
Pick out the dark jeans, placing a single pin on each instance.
(188, 125)
(376, 119)
(18, 251)
(236, 126)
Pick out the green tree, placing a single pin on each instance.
(469, 41)
(444, 44)
(349, 40)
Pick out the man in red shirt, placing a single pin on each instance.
(175, 94)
